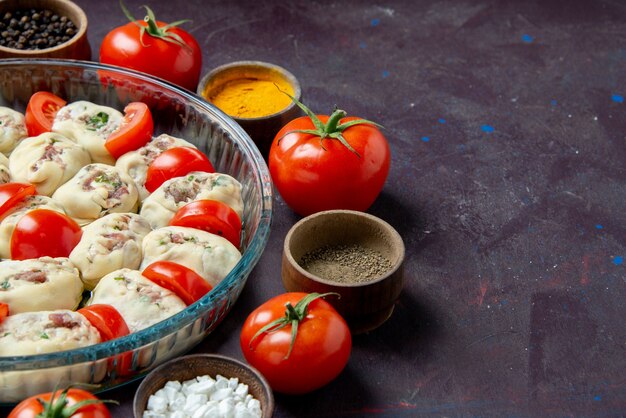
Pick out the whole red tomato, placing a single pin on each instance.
(302, 362)
(320, 162)
(74, 403)
(154, 47)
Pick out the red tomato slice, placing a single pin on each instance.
(4, 311)
(13, 193)
(111, 325)
(212, 216)
(176, 162)
(134, 132)
(186, 283)
(107, 320)
(40, 112)
(44, 232)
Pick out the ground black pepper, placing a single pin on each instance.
(35, 29)
(345, 263)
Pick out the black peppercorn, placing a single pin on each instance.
(35, 29)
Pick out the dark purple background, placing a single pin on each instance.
(508, 185)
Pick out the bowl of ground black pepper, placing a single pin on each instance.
(352, 253)
(43, 29)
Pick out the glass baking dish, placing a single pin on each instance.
(176, 112)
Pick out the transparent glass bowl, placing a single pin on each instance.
(176, 112)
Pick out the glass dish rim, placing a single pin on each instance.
(249, 258)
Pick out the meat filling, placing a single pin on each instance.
(63, 320)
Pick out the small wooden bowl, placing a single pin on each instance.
(191, 366)
(262, 129)
(76, 48)
(364, 305)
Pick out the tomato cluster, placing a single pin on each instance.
(318, 162)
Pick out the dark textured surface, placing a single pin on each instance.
(508, 185)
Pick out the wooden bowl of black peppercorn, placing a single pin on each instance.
(43, 29)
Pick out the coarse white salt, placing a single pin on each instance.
(205, 386)
(157, 402)
(203, 397)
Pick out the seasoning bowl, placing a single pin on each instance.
(352, 253)
(77, 47)
(188, 367)
(262, 120)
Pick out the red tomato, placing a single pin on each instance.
(74, 403)
(44, 232)
(13, 193)
(346, 169)
(107, 320)
(318, 354)
(184, 282)
(176, 162)
(134, 132)
(40, 112)
(4, 311)
(212, 216)
(156, 48)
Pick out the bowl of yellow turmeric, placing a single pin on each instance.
(257, 95)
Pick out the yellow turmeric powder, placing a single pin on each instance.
(252, 97)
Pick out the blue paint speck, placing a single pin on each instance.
(618, 260)
(362, 45)
(598, 226)
(385, 74)
(425, 139)
(375, 22)
(597, 398)
(460, 148)
(441, 120)
(527, 38)
(553, 102)
(487, 128)
(617, 98)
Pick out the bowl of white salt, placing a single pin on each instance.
(204, 385)
(354, 254)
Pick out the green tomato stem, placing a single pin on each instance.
(333, 121)
(332, 129)
(153, 30)
(59, 408)
(293, 316)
